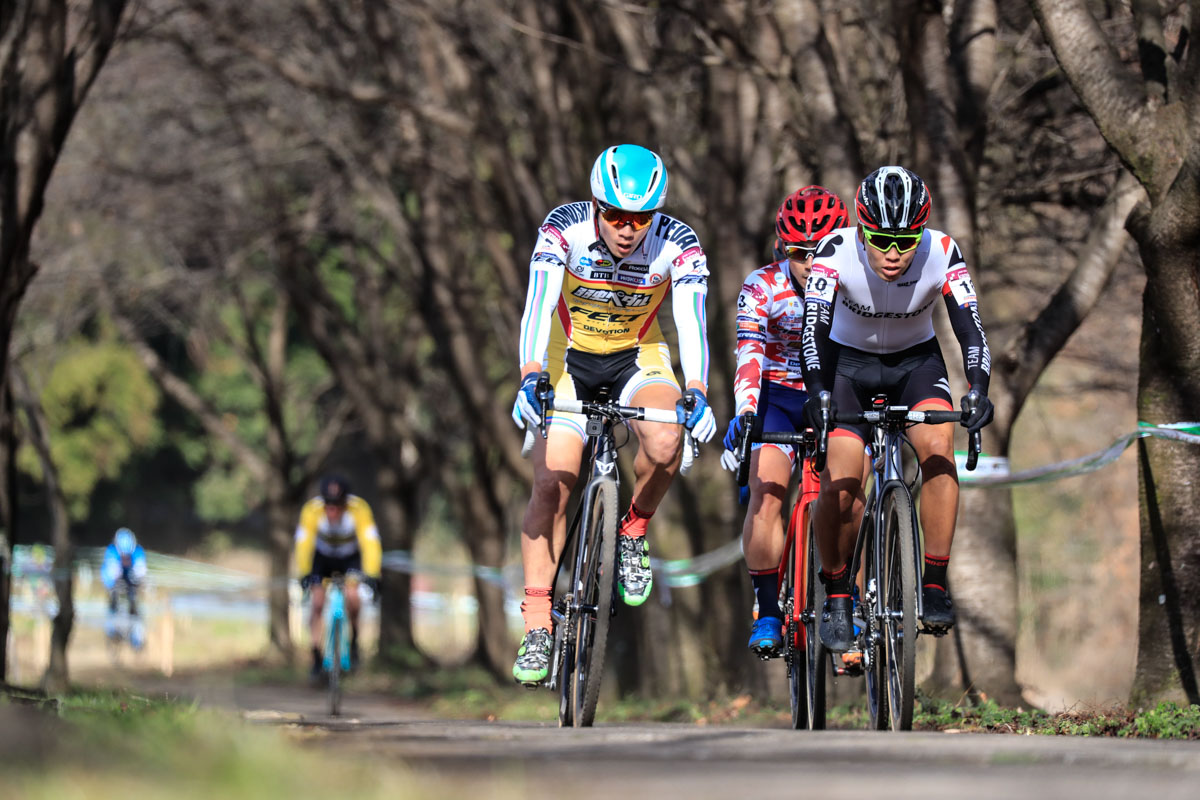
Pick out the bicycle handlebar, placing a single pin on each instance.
(614, 411)
(903, 414)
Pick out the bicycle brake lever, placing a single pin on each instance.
(744, 446)
(543, 394)
(825, 401)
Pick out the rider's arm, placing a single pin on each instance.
(110, 568)
(306, 537)
(819, 296)
(546, 269)
(137, 567)
(689, 289)
(368, 537)
(753, 314)
(959, 294)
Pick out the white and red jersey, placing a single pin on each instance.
(847, 303)
(770, 326)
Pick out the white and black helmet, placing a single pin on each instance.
(893, 198)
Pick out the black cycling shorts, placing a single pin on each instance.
(324, 566)
(910, 377)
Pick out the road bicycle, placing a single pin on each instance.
(890, 553)
(582, 613)
(336, 657)
(801, 595)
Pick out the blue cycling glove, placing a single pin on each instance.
(700, 421)
(527, 410)
(733, 435)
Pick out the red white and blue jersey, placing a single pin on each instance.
(770, 327)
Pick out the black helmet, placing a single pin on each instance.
(893, 198)
(334, 490)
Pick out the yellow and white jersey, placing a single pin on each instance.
(355, 532)
(580, 298)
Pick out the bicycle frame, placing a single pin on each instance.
(335, 621)
(601, 456)
(887, 470)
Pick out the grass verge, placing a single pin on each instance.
(90, 744)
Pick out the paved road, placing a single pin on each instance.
(507, 759)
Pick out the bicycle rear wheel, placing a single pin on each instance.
(817, 657)
(900, 604)
(335, 682)
(593, 585)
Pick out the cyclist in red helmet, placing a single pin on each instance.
(768, 382)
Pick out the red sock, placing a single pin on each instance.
(635, 521)
(536, 608)
(935, 571)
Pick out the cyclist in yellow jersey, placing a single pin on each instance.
(600, 272)
(336, 534)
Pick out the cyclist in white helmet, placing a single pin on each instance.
(868, 330)
(124, 568)
(600, 271)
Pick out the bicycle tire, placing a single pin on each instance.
(794, 651)
(816, 656)
(335, 669)
(598, 570)
(900, 595)
(875, 673)
(564, 652)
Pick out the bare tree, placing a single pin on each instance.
(1149, 113)
(50, 54)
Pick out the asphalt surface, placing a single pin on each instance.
(515, 759)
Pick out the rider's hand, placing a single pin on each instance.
(700, 421)
(371, 583)
(310, 580)
(812, 413)
(527, 410)
(730, 460)
(733, 434)
(984, 411)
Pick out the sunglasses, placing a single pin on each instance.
(799, 252)
(903, 242)
(618, 217)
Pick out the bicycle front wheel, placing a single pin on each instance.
(593, 585)
(900, 607)
(817, 656)
(873, 650)
(335, 668)
(792, 590)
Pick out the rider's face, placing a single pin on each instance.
(334, 513)
(620, 241)
(890, 265)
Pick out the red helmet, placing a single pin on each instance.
(808, 214)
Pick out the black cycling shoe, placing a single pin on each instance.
(939, 610)
(316, 675)
(837, 624)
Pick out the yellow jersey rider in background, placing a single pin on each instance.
(336, 534)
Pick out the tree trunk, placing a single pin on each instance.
(56, 678)
(397, 520)
(8, 517)
(1169, 493)
(281, 517)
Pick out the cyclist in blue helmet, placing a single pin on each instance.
(601, 270)
(124, 567)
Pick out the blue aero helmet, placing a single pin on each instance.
(125, 542)
(630, 177)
